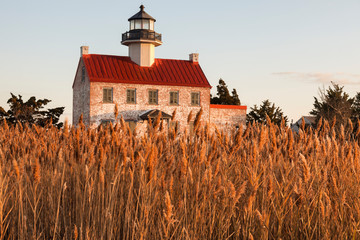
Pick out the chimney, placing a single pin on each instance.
(84, 50)
(194, 57)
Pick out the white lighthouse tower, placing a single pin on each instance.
(142, 39)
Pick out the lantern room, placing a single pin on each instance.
(141, 28)
(141, 38)
(146, 24)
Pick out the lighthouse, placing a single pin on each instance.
(142, 38)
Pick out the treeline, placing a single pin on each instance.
(333, 105)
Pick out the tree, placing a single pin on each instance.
(258, 114)
(235, 97)
(333, 104)
(356, 108)
(223, 95)
(355, 118)
(30, 112)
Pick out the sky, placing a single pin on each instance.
(280, 50)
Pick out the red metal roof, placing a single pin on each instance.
(228, 106)
(118, 69)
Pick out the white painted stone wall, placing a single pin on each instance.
(143, 54)
(103, 111)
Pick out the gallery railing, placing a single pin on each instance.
(141, 35)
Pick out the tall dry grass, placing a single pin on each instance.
(108, 183)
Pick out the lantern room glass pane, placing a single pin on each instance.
(145, 24)
(132, 24)
(151, 25)
(137, 24)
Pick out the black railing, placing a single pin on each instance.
(143, 34)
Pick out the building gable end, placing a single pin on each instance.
(79, 72)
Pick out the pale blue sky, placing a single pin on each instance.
(275, 49)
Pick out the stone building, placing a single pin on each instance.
(142, 86)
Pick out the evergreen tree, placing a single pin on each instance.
(258, 114)
(223, 95)
(2, 112)
(356, 108)
(333, 105)
(31, 112)
(356, 112)
(235, 97)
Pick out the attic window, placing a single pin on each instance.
(107, 95)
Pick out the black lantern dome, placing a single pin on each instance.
(141, 15)
(141, 29)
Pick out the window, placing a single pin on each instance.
(195, 99)
(132, 125)
(131, 95)
(107, 95)
(153, 96)
(83, 74)
(138, 24)
(145, 24)
(174, 98)
(151, 24)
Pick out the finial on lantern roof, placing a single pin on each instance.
(141, 15)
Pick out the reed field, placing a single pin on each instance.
(262, 182)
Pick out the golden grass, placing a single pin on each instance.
(108, 183)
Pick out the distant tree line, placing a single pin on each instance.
(266, 110)
(333, 105)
